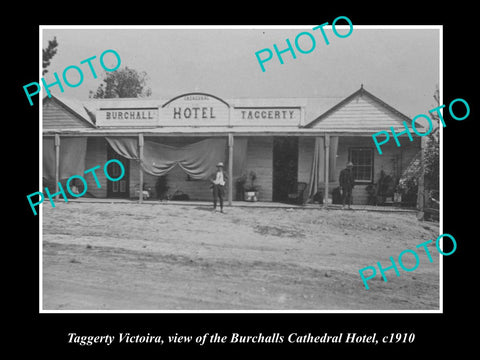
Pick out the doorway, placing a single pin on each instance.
(120, 188)
(285, 167)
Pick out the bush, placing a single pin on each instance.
(251, 185)
(161, 187)
(409, 189)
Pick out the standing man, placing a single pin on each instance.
(218, 186)
(346, 181)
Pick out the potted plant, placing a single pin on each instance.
(161, 187)
(250, 189)
(372, 194)
(240, 186)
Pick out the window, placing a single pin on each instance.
(362, 159)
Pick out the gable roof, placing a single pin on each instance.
(78, 114)
(360, 111)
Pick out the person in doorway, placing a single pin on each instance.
(218, 180)
(346, 181)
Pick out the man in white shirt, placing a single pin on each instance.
(218, 186)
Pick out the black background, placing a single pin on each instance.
(46, 334)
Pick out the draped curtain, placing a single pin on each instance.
(198, 160)
(240, 147)
(72, 157)
(318, 166)
(317, 173)
(333, 157)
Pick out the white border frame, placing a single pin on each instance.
(242, 27)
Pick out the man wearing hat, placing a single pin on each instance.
(346, 181)
(218, 186)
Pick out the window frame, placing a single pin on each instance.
(372, 154)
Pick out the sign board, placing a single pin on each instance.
(129, 117)
(265, 116)
(195, 109)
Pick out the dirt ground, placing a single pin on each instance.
(133, 256)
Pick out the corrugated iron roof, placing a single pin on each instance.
(321, 114)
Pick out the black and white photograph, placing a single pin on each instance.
(287, 179)
(241, 168)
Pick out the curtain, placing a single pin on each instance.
(318, 166)
(125, 146)
(198, 160)
(240, 146)
(72, 157)
(317, 172)
(49, 158)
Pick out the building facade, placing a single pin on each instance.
(286, 142)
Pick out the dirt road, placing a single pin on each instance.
(166, 257)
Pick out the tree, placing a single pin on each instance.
(123, 83)
(432, 151)
(410, 181)
(48, 53)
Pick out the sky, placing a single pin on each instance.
(398, 65)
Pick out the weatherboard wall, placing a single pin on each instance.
(393, 161)
(59, 116)
(360, 112)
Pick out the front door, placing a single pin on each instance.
(120, 188)
(285, 167)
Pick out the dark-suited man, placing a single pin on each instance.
(346, 181)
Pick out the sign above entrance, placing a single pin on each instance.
(268, 113)
(195, 109)
(127, 117)
(261, 116)
(199, 110)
